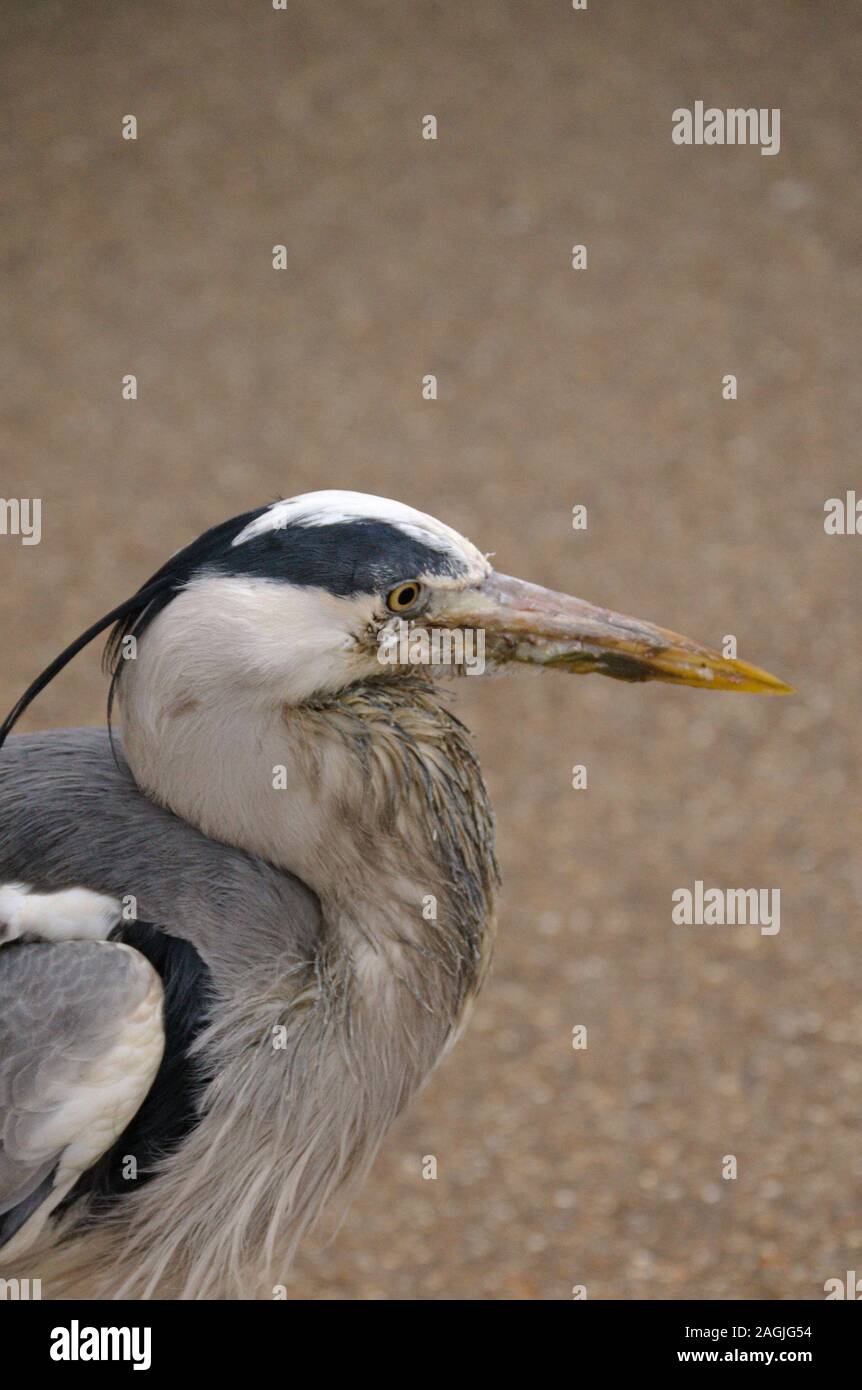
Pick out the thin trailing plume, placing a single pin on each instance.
(132, 615)
(130, 609)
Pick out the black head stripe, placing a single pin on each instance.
(358, 556)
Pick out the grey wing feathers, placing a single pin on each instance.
(80, 1041)
(72, 816)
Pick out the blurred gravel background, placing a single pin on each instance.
(257, 127)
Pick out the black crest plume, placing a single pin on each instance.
(132, 616)
(132, 609)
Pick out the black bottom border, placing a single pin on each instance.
(264, 1339)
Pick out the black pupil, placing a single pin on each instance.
(405, 596)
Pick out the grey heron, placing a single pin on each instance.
(239, 936)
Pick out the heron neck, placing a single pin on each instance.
(374, 800)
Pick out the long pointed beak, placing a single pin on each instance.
(526, 623)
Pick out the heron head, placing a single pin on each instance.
(311, 595)
(304, 598)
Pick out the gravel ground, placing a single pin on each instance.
(600, 1167)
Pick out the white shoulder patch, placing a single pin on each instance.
(75, 914)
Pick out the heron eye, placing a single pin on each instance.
(405, 597)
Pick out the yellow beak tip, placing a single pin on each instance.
(759, 682)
